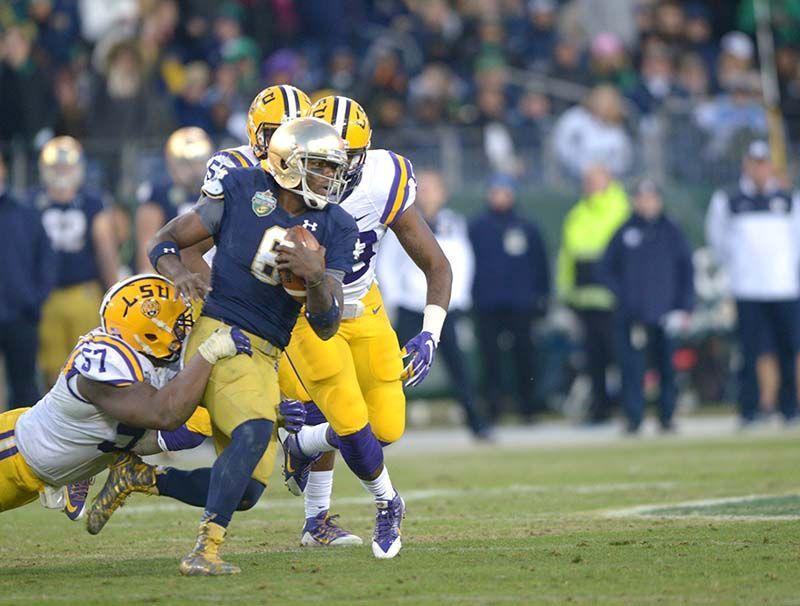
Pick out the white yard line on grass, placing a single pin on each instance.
(651, 511)
(423, 495)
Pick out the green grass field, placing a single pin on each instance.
(564, 525)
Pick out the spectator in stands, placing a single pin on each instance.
(405, 287)
(609, 62)
(752, 229)
(657, 83)
(27, 111)
(735, 58)
(729, 117)
(193, 106)
(648, 267)
(27, 280)
(594, 132)
(588, 227)
(510, 292)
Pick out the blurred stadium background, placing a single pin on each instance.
(536, 89)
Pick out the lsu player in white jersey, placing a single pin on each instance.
(113, 388)
(355, 378)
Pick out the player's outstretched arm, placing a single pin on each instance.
(182, 232)
(142, 405)
(418, 241)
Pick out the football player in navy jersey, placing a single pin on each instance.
(81, 232)
(248, 212)
(161, 200)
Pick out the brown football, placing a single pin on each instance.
(292, 284)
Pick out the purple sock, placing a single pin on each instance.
(180, 439)
(362, 452)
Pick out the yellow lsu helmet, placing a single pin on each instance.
(348, 117)
(298, 150)
(143, 312)
(61, 164)
(186, 152)
(272, 107)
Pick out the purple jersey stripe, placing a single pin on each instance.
(6, 434)
(392, 192)
(409, 176)
(4, 454)
(119, 350)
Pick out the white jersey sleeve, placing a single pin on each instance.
(387, 189)
(225, 159)
(106, 359)
(393, 186)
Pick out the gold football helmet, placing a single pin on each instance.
(272, 107)
(187, 151)
(61, 164)
(301, 149)
(142, 311)
(349, 118)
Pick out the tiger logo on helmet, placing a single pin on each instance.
(348, 117)
(143, 311)
(273, 106)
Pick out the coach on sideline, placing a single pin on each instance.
(28, 277)
(753, 229)
(648, 267)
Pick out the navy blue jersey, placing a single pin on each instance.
(172, 199)
(246, 290)
(69, 227)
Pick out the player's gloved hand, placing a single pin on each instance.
(293, 413)
(225, 343)
(421, 350)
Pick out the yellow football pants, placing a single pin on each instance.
(353, 377)
(67, 314)
(18, 484)
(240, 389)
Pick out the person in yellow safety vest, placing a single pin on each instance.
(588, 228)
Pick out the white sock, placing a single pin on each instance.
(311, 439)
(317, 495)
(381, 487)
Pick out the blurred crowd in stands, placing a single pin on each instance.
(587, 70)
(586, 80)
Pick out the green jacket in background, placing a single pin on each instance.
(588, 228)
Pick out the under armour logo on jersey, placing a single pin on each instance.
(360, 246)
(171, 250)
(310, 225)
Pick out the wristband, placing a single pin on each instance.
(159, 250)
(433, 320)
(324, 319)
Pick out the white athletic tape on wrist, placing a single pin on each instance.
(433, 320)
